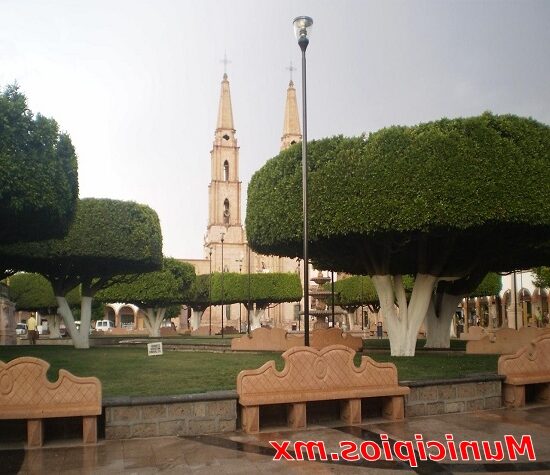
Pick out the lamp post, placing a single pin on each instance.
(210, 294)
(332, 291)
(222, 240)
(302, 26)
(240, 261)
(362, 299)
(515, 291)
(248, 306)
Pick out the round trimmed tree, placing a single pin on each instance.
(33, 293)
(39, 179)
(443, 201)
(255, 291)
(154, 292)
(358, 290)
(107, 240)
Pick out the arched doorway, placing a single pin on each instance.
(525, 306)
(110, 314)
(127, 318)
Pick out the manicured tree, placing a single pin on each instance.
(39, 179)
(265, 289)
(358, 290)
(198, 299)
(442, 201)
(107, 240)
(154, 292)
(34, 293)
(446, 299)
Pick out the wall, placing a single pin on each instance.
(451, 396)
(196, 414)
(192, 414)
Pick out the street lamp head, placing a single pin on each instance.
(302, 28)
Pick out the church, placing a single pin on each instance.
(225, 242)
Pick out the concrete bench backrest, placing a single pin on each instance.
(531, 359)
(308, 369)
(26, 393)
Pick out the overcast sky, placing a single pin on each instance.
(136, 83)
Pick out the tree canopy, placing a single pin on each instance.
(106, 238)
(265, 288)
(33, 292)
(490, 285)
(198, 297)
(442, 201)
(39, 179)
(163, 288)
(155, 293)
(542, 276)
(412, 199)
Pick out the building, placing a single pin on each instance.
(225, 242)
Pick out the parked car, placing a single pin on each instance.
(21, 329)
(104, 325)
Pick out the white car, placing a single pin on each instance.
(21, 329)
(104, 325)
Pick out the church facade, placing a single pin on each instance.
(225, 243)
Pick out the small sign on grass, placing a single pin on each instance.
(154, 349)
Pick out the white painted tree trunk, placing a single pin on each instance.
(196, 317)
(81, 338)
(438, 329)
(153, 320)
(54, 323)
(257, 315)
(403, 324)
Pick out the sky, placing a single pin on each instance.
(136, 83)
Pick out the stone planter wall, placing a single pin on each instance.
(207, 413)
(450, 396)
(193, 414)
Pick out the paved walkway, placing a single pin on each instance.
(235, 453)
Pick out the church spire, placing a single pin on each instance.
(225, 112)
(291, 127)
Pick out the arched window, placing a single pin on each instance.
(226, 171)
(226, 211)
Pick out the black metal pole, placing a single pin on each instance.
(332, 290)
(303, 42)
(248, 307)
(222, 285)
(362, 298)
(210, 297)
(515, 290)
(240, 303)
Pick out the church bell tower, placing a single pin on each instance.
(224, 191)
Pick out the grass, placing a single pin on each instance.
(130, 372)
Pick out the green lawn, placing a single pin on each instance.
(130, 372)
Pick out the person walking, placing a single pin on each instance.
(32, 329)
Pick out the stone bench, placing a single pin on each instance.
(313, 375)
(26, 393)
(529, 366)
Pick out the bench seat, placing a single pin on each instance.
(26, 393)
(311, 375)
(529, 366)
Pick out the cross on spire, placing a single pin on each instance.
(291, 68)
(225, 62)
